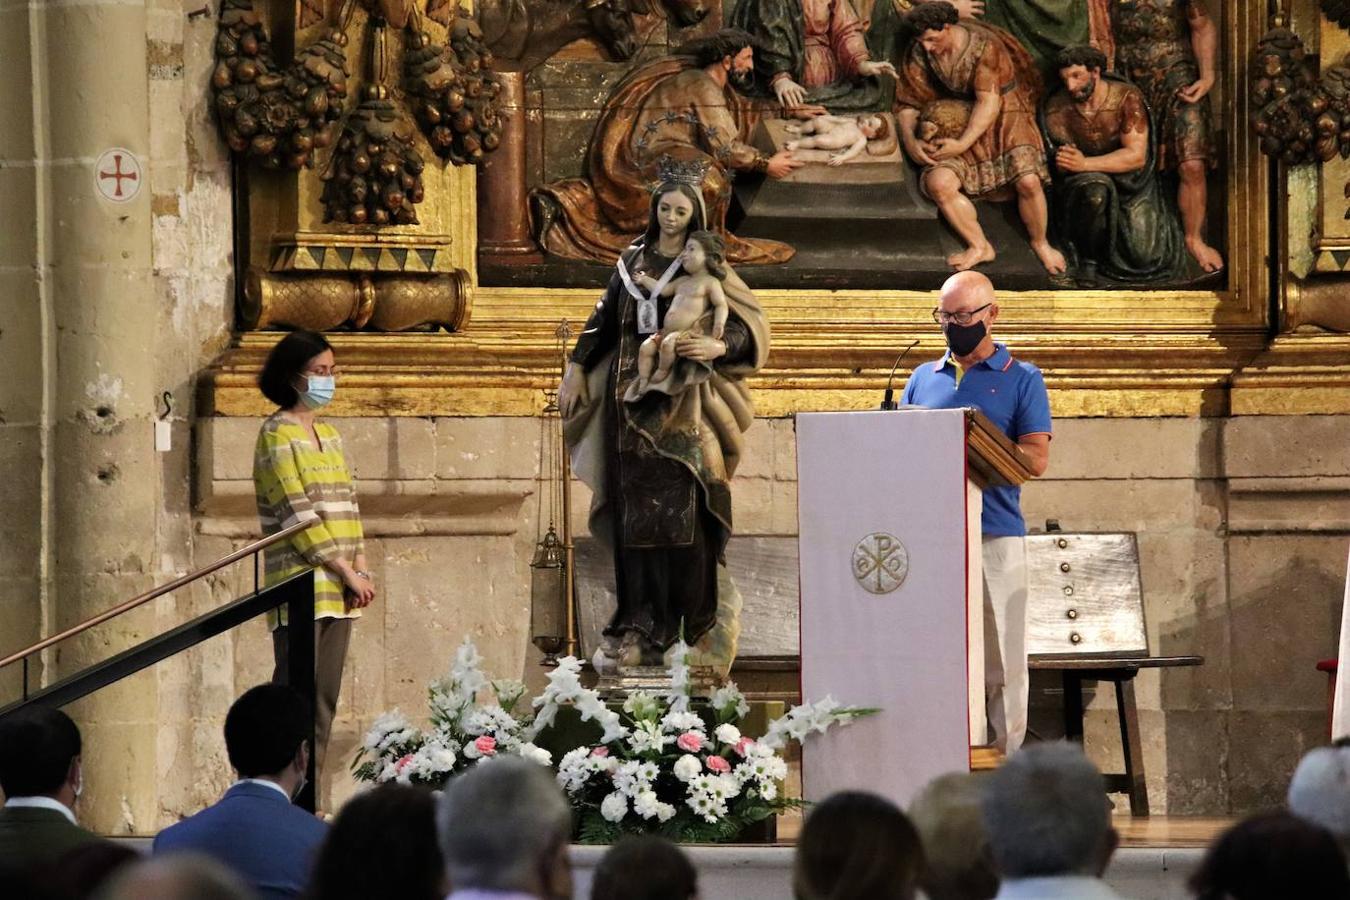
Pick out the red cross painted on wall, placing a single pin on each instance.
(114, 167)
(117, 175)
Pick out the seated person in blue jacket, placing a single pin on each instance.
(255, 829)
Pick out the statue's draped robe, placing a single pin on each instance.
(660, 469)
(991, 61)
(1153, 50)
(1045, 27)
(1120, 225)
(817, 43)
(599, 214)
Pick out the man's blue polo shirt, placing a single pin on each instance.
(1011, 393)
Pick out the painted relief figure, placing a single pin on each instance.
(1169, 48)
(1000, 150)
(846, 135)
(1109, 209)
(688, 107)
(811, 51)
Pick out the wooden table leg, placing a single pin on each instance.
(1073, 705)
(1130, 746)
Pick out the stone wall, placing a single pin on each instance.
(104, 307)
(1242, 538)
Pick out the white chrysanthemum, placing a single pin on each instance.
(614, 807)
(574, 769)
(681, 721)
(727, 734)
(664, 812)
(625, 780)
(646, 805)
(434, 761)
(687, 767)
(388, 730)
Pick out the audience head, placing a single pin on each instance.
(1272, 856)
(1046, 814)
(82, 871)
(947, 815)
(644, 868)
(857, 846)
(182, 876)
(394, 824)
(504, 826)
(40, 755)
(1320, 791)
(267, 734)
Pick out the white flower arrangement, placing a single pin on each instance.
(462, 730)
(662, 763)
(663, 767)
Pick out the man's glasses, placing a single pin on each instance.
(964, 317)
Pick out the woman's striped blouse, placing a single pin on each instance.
(295, 482)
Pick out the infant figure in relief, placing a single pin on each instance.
(847, 135)
(695, 294)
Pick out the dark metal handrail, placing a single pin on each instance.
(250, 550)
(296, 594)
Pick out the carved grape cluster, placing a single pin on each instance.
(278, 118)
(376, 176)
(1300, 117)
(453, 92)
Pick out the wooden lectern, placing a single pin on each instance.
(891, 589)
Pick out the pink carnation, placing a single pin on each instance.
(402, 762)
(690, 742)
(719, 765)
(600, 751)
(487, 745)
(743, 746)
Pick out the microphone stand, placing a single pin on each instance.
(888, 398)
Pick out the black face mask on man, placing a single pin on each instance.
(963, 339)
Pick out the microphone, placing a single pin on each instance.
(888, 398)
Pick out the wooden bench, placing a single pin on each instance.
(1120, 671)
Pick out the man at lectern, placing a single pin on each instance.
(978, 372)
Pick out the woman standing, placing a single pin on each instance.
(660, 467)
(301, 475)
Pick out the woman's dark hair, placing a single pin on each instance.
(1269, 857)
(285, 363)
(934, 15)
(393, 824)
(857, 845)
(265, 728)
(715, 249)
(696, 223)
(1084, 55)
(644, 868)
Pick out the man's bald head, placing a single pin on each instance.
(966, 291)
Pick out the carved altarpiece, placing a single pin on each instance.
(1249, 348)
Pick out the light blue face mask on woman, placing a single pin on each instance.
(319, 390)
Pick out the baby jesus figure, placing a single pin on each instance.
(846, 134)
(703, 260)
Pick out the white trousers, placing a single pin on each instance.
(1005, 639)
